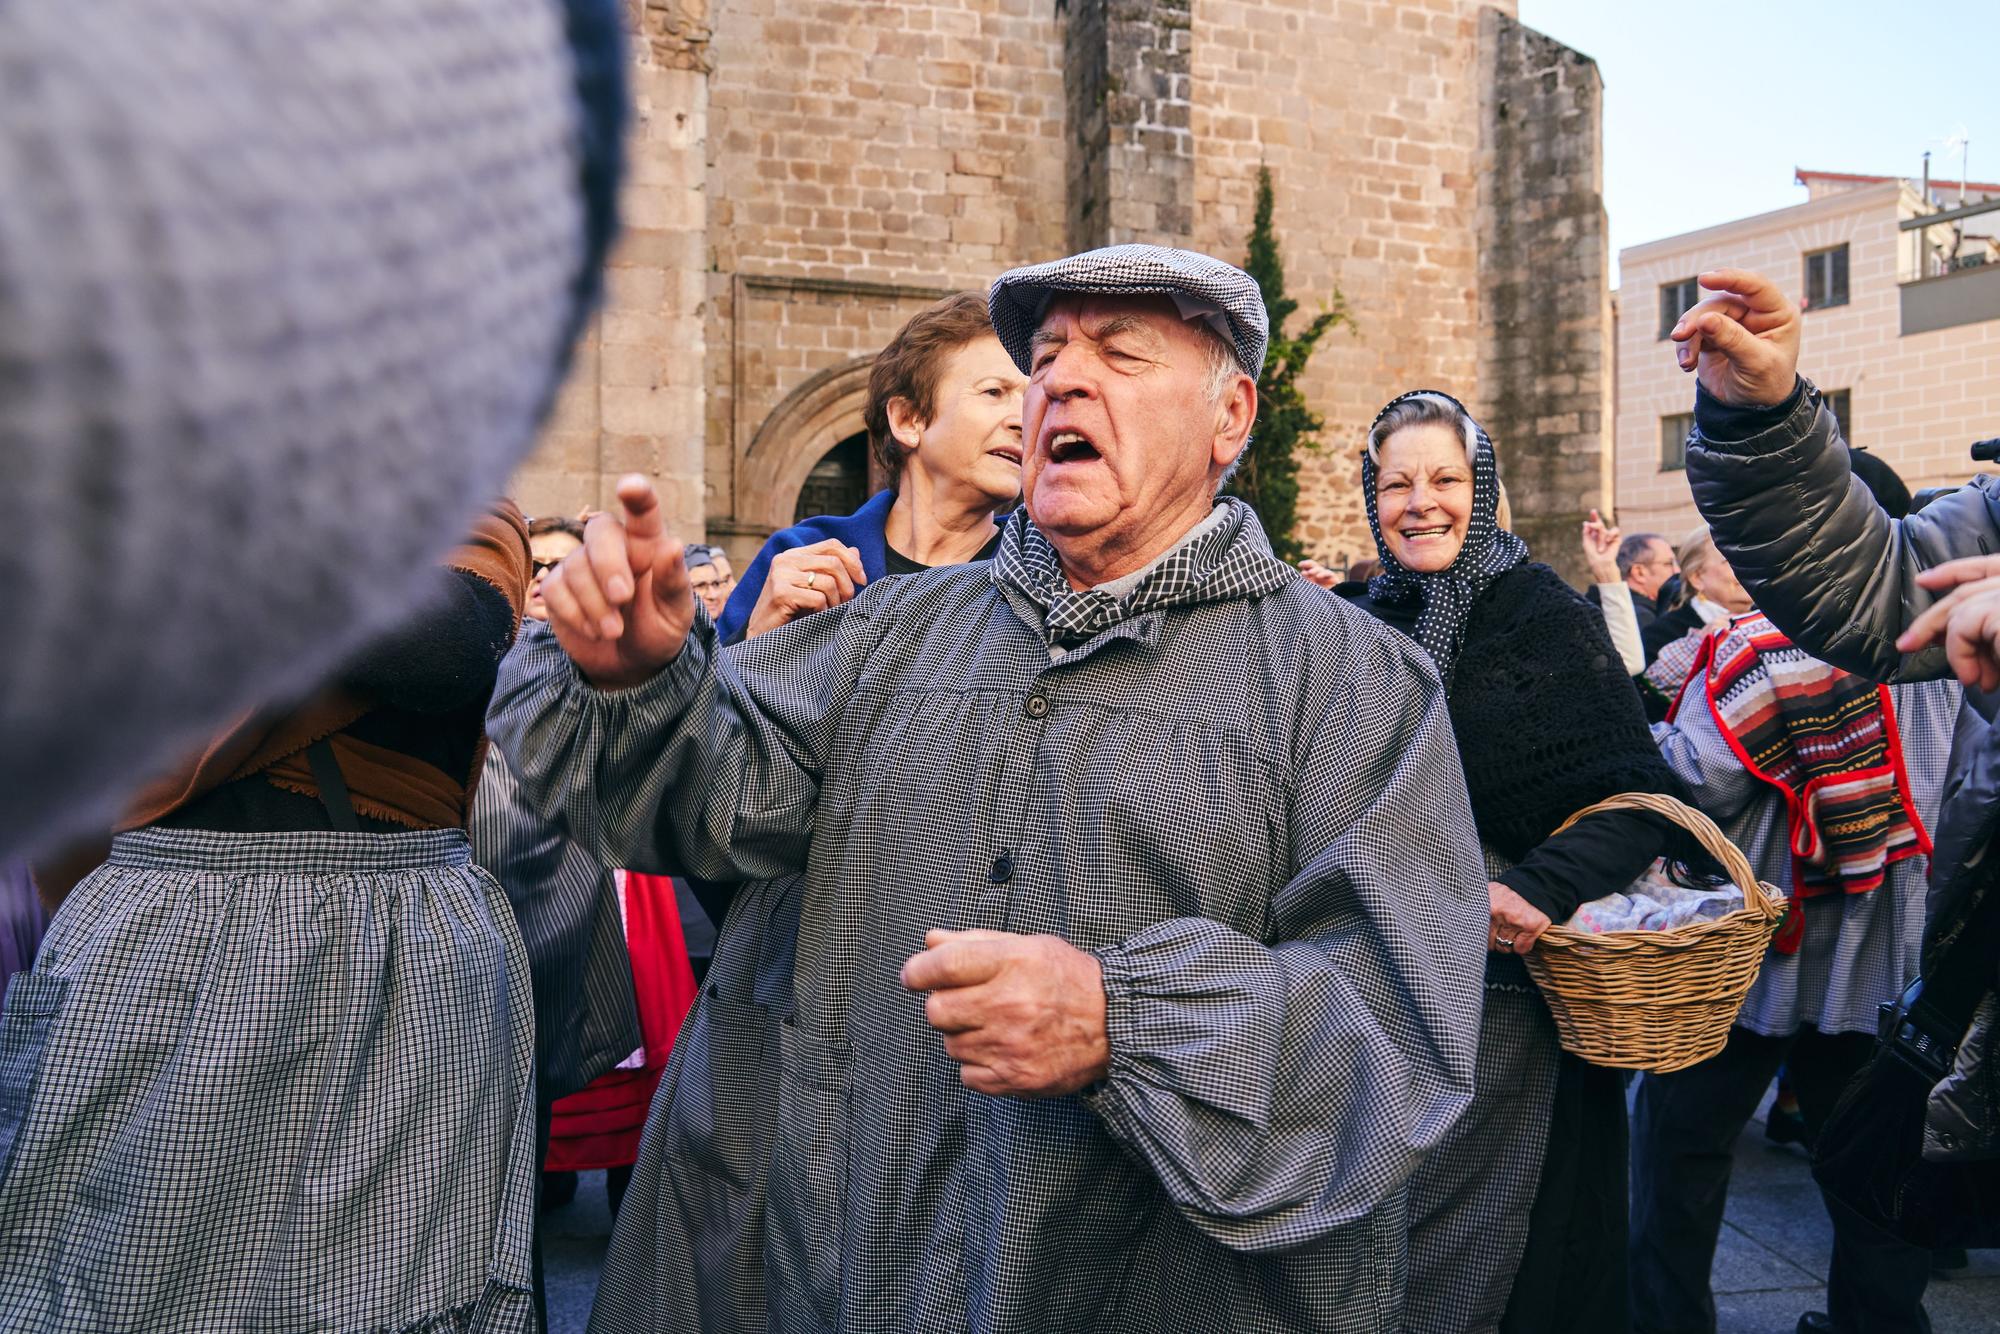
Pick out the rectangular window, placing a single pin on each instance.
(1674, 430)
(1826, 278)
(1675, 299)
(1843, 412)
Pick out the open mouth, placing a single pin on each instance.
(1070, 447)
(1011, 453)
(1418, 534)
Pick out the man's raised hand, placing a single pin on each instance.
(1600, 549)
(1743, 342)
(621, 604)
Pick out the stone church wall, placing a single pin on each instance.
(808, 173)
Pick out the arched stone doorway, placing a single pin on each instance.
(810, 456)
(812, 421)
(838, 483)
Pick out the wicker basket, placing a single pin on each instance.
(1657, 1000)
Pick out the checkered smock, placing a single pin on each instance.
(271, 1083)
(1246, 801)
(566, 905)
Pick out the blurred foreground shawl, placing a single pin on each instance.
(284, 289)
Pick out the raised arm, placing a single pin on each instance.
(1614, 596)
(664, 753)
(1771, 476)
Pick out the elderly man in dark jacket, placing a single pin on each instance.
(1892, 599)
(1140, 944)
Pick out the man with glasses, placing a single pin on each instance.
(711, 576)
(549, 540)
(1645, 562)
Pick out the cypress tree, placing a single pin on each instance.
(1268, 477)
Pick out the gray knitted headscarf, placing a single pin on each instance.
(1446, 597)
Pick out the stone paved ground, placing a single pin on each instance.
(1767, 1270)
(1775, 1244)
(573, 1241)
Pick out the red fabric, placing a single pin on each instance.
(1827, 741)
(598, 1126)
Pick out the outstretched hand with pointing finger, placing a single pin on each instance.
(1965, 619)
(621, 604)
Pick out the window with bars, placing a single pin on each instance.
(1841, 403)
(1674, 429)
(1675, 299)
(1826, 278)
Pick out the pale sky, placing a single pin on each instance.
(1709, 105)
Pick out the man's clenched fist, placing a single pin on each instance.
(621, 604)
(1022, 1015)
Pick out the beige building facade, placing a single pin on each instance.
(1901, 330)
(807, 174)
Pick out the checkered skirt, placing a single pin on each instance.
(271, 1082)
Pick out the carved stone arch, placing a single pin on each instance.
(811, 420)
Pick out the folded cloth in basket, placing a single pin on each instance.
(1656, 902)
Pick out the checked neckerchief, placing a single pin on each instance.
(1231, 560)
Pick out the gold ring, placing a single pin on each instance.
(811, 576)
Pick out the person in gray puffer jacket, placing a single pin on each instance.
(1892, 599)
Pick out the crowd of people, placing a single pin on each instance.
(1025, 867)
(1510, 1206)
(1025, 903)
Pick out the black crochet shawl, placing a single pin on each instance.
(1548, 723)
(1547, 720)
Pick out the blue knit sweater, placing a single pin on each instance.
(863, 530)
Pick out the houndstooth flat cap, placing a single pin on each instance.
(1201, 285)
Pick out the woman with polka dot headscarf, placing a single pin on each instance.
(1517, 1220)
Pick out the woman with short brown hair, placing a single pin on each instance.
(944, 420)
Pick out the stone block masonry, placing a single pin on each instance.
(633, 400)
(1367, 113)
(1128, 90)
(1545, 329)
(805, 174)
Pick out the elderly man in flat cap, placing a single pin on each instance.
(1139, 950)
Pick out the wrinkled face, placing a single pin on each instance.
(548, 550)
(973, 441)
(1124, 440)
(1423, 496)
(713, 583)
(1716, 580)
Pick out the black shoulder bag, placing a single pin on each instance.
(1869, 1155)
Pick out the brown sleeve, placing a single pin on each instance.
(497, 551)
